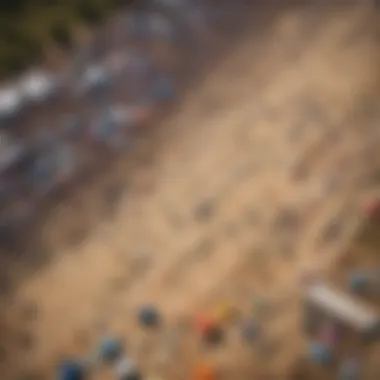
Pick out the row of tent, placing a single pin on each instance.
(110, 128)
(35, 88)
(39, 166)
(49, 157)
(43, 87)
(38, 87)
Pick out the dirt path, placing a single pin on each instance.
(286, 105)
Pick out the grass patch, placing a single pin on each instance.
(29, 27)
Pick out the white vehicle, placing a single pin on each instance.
(94, 77)
(323, 302)
(38, 87)
(11, 102)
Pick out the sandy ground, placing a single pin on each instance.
(273, 143)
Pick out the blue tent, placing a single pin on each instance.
(71, 370)
(110, 348)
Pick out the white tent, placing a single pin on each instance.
(38, 87)
(11, 102)
(342, 307)
(94, 77)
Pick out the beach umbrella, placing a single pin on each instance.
(209, 329)
(110, 348)
(204, 371)
(149, 316)
(71, 370)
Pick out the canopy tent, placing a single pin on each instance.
(11, 102)
(94, 78)
(38, 87)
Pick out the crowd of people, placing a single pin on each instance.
(53, 125)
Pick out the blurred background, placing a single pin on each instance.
(144, 143)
